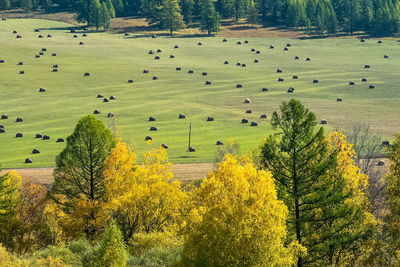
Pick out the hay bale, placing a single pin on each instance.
(14, 32)
(113, 98)
(199, 43)
(46, 137)
(3, 19)
(243, 65)
(295, 77)
(28, 160)
(145, 71)
(252, 50)
(21, 72)
(19, 37)
(204, 74)
(290, 90)
(86, 74)
(81, 43)
(155, 78)
(178, 68)
(364, 79)
(245, 121)
(53, 54)
(72, 31)
(152, 119)
(60, 140)
(352, 83)
(263, 116)
(190, 71)
(219, 143)
(42, 90)
(247, 101)
(38, 136)
(386, 56)
(362, 41)
(210, 119)
(55, 66)
(126, 34)
(253, 124)
(181, 116)
(110, 115)
(148, 138)
(339, 99)
(153, 129)
(171, 56)
(75, 36)
(238, 64)
(296, 58)
(224, 40)
(84, 35)
(100, 96)
(380, 41)
(264, 89)
(2, 130)
(49, 36)
(55, 70)
(367, 66)
(246, 42)
(271, 47)
(238, 43)
(239, 85)
(288, 45)
(381, 163)
(285, 49)
(151, 52)
(258, 52)
(280, 79)
(226, 62)
(371, 86)
(105, 100)
(44, 50)
(156, 57)
(191, 149)
(323, 121)
(208, 82)
(19, 63)
(176, 46)
(164, 146)
(249, 111)
(4, 117)
(159, 50)
(308, 59)
(255, 61)
(35, 151)
(40, 36)
(130, 81)
(154, 36)
(96, 112)
(279, 70)
(1, 60)
(315, 81)
(19, 135)
(37, 56)
(385, 143)
(41, 53)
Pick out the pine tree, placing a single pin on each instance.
(210, 19)
(170, 16)
(26, 5)
(252, 15)
(95, 14)
(226, 8)
(309, 182)
(4, 4)
(187, 10)
(118, 6)
(112, 251)
(105, 16)
(111, 8)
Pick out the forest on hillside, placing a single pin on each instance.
(374, 17)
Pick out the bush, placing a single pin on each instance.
(157, 257)
(57, 254)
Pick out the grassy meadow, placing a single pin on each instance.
(112, 59)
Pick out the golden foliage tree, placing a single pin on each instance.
(237, 219)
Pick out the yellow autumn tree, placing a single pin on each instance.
(237, 219)
(142, 198)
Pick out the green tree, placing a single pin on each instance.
(111, 8)
(27, 6)
(112, 251)
(95, 14)
(309, 182)
(4, 4)
(104, 16)
(187, 10)
(252, 15)
(118, 6)
(79, 171)
(170, 16)
(210, 18)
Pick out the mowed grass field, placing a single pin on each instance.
(112, 59)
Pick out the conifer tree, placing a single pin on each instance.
(187, 10)
(111, 8)
(252, 15)
(170, 16)
(4, 4)
(27, 6)
(104, 16)
(112, 251)
(210, 18)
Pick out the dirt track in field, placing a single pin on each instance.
(182, 172)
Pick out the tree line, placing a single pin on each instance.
(299, 199)
(375, 17)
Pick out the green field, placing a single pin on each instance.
(112, 59)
